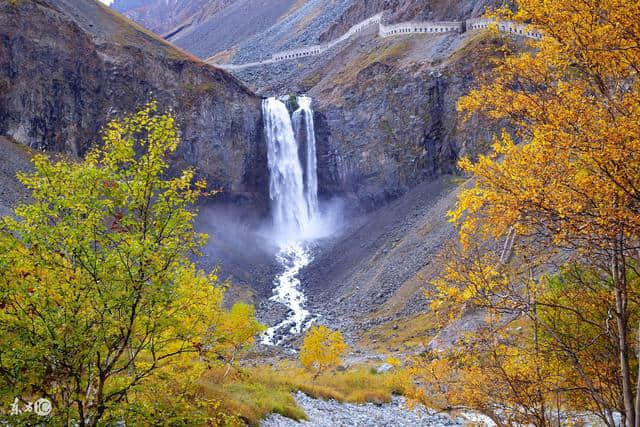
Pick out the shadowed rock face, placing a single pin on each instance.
(68, 66)
(383, 136)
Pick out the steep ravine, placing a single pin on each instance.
(389, 136)
(386, 126)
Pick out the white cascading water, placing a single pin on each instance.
(286, 186)
(294, 201)
(303, 119)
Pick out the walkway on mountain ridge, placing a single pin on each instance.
(429, 27)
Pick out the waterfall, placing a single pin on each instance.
(303, 119)
(293, 189)
(290, 197)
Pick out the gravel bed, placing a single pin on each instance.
(329, 413)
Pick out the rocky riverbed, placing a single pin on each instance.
(329, 413)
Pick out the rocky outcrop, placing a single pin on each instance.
(386, 115)
(384, 135)
(68, 66)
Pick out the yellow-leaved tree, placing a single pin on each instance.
(98, 292)
(235, 332)
(322, 349)
(563, 183)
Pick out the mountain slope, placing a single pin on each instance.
(67, 66)
(248, 30)
(162, 16)
(387, 130)
(238, 22)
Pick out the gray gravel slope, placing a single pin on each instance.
(329, 413)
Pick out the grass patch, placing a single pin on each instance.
(311, 80)
(407, 333)
(480, 48)
(385, 126)
(253, 393)
(293, 100)
(248, 397)
(387, 53)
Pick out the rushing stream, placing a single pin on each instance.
(293, 189)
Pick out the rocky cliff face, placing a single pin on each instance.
(386, 109)
(387, 114)
(67, 66)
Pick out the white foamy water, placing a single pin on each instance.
(287, 291)
(303, 119)
(286, 186)
(293, 189)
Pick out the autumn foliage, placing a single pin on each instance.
(100, 301)
(322, 349)
(561, 189)
(235, 332)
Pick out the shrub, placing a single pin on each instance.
(322, 349)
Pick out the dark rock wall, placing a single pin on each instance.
(387, 137)
(386, 117)
(67, 68)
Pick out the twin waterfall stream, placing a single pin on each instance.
(293, 189)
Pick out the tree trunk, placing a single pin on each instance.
(233, 358)
(82, 422)
(638, 380)
(620, 291)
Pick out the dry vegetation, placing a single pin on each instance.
(388, 51)
(253, 393)
(407, 334)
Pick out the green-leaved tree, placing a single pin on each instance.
(97, 289)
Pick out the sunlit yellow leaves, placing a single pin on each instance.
(322, 349)
(565, 178)
(97, 286)
(574, 105)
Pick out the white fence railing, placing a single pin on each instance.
(505, 27)
(419, 27)
(438, 27)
